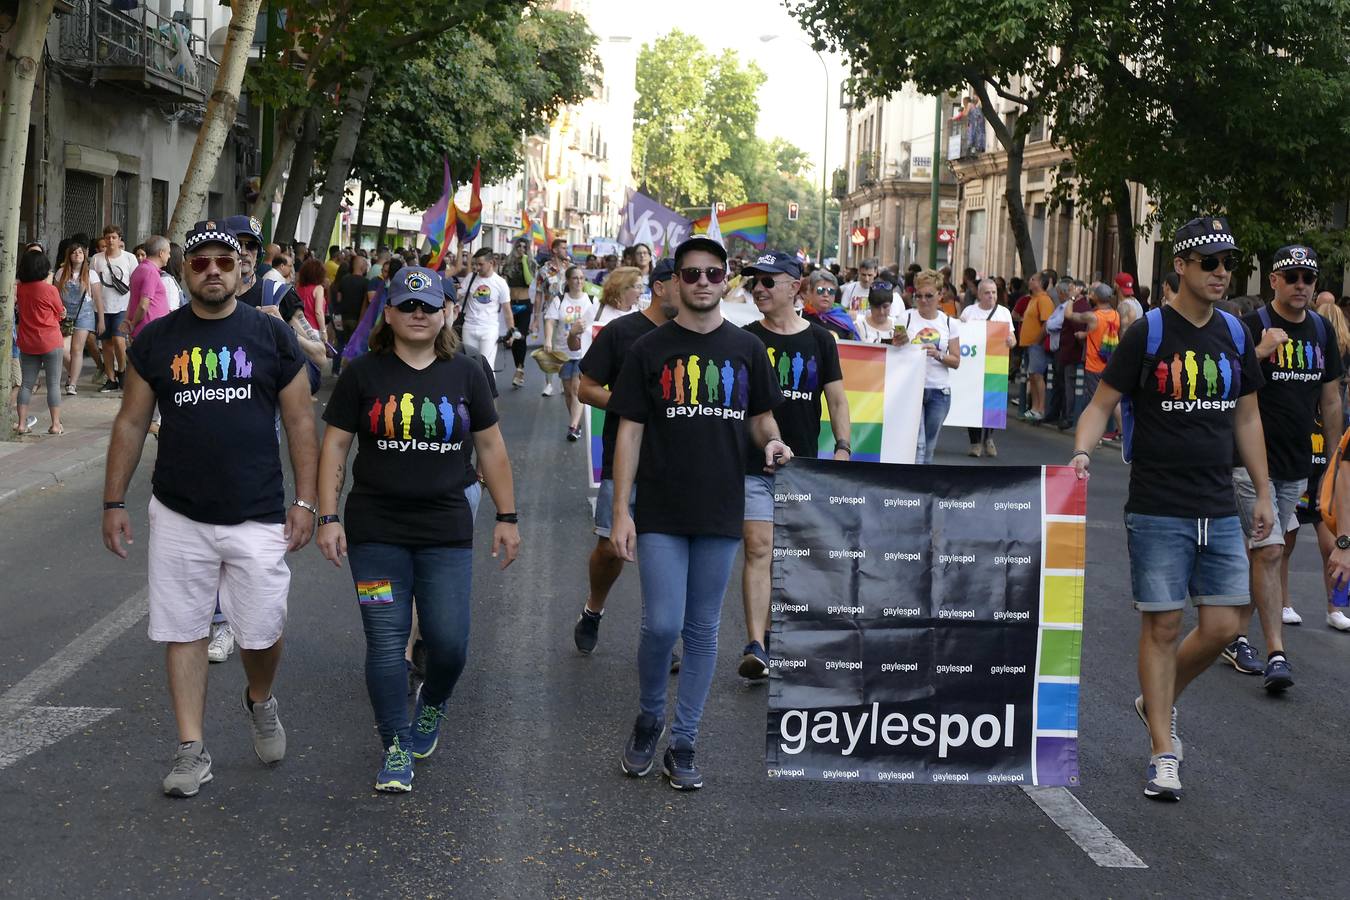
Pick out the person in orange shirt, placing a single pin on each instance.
(1103, 334)
(1031, 339)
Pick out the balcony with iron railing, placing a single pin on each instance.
(140, 49)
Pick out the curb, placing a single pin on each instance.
(42, 480)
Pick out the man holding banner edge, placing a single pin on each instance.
(1184, 536)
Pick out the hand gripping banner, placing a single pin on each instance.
(927, 623)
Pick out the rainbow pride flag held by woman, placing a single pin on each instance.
(468, 224)
(749, 222)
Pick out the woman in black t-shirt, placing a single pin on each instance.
(418, 409)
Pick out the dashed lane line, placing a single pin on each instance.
(1085, 829)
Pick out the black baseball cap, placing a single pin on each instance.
(700, 242)
(1295, 256)
(664, 270)
(773, 262)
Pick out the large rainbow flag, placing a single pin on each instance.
(749, 221)
(885, 402)
(438, 223)
(468, 224)
(980, 383)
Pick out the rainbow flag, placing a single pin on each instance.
(438, 223)
(980, 384)
(749, 222)
(468, 224)
(884, 385)
(533, 229)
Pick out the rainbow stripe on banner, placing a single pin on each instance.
(1054, 755)
(749, 222)
(996, 375)
(980, 384)
(885, 395)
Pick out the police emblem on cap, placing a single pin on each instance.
(766, 258)
(1218, 226)
(1299, 254)
(210, 224)
(254, 225)
(416, 281)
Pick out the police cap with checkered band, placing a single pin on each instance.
(1205, 235)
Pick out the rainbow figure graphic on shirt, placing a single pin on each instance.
(797, 368)
(1192, 371)
(679, 382)
(447, 410)
(711, 377)
(462, 412)
(812, 375)
(223, 360)
(1211, 371)
(728, 383)
(665, 382)
(1176, 376)
(773, 358)
(178, 366)
(375, 409)
(390, 407)
(405, 412)
(1161, 373)
(243, 368)
(196, 365)
(783, 366)
(1226, 373)
(429, 430)
(695, 370)
(742, 388)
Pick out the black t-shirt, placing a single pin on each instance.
(254, 295)
(1294, 375)
(414, 440)
(603, 361)
(695, 394)
(351, 292)
(802, 364)
(217, 382)
(1183, 414)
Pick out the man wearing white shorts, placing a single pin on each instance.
(221, 372)
(486, 300)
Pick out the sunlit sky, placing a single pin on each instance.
(792, 100)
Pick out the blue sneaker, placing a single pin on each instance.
(1240, 655)
(426, 728)
(678, 766)
(639, 754)
(1279, 675)
(397, 773)
(1164, 778)
(754, 662)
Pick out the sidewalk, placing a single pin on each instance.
(38, 461)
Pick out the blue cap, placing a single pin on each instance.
(208, 231)
(1204, 235)
(1295, 256)
(243, 225)
(664, 270)
(772, 262)
(417, 283)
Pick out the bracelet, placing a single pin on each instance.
(508, 518)
(114, 504)
(314, 510)
(843, 445)
(329, 520)
(1079, 453)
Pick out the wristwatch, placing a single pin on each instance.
(1343, 542)
(303, 504)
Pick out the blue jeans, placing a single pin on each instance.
(684, 579)
(1172, 558)
(389, 579)
(936, 403)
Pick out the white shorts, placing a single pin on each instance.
(191, 563)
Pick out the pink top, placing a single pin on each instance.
(145, 282)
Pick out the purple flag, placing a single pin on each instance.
(647, 222)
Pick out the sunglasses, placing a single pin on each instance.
(200, 264)
(883, 286)
(765, 281)
(714, 274)
(412, 305)
(251, 246)
(1295, 277)
(1229, 261)
(825, 290)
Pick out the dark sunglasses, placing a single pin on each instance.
(1295, 277)
(765, 281)
(200, 264)
(714, 274)
(250, 246)
(1229, 261)
(412, 305)
(883, 285)
(826, 290)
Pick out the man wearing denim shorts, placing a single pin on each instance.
(1191, 390)
(1302, 369)
(221, 371)
(599, 368)
(805, 361)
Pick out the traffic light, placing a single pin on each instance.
(792, 212)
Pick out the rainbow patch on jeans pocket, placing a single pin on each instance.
(374, 592)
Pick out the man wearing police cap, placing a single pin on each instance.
(1188, 374)
(1302, 368)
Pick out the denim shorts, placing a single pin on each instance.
(570, 369)
(604, 507)
(112, 322)
(1284, 494)
(83, 314)
(759, 498)
(1038, 359)
(1172, 558)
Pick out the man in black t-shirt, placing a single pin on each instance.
(219, 522)
(1302, 369)
(693, 396)
(600, 369)
(1189, 375)
(804, 358)
(352, 291)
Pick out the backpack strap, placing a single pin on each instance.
(1321, 325)
(1264, 313)
(1153, 321)
(1238, 332)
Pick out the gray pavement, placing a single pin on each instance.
(524, 797)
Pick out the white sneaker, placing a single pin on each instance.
(222, 644)
(70, 390)
(1291, 616)
(1338, 620)
(548, 389)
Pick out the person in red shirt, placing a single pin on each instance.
(41, 344)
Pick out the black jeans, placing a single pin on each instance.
(521, 314)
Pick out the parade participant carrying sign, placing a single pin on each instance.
(804, 359)
(683, 438)
(1189, 374)
(420, 409)
(220, 373)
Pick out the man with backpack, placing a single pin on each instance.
(1187, 375)
(1302, 369)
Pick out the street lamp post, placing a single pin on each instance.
(825, 151)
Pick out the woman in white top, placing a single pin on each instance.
(874, 323)
(986, 308)
(936, 334)
(564, 321)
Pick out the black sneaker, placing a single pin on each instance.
(639, 754)
(678, 766)
(1279, 675)
(754, 662)
(1240, 655)
(109, 386)
(587, 632)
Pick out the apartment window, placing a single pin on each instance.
(976, 235)
(82, 205)
(159, 206)
(121, 203)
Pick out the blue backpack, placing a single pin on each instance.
(1153, 321)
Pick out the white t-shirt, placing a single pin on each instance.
(1135, 311)
(922, 332)
(274, 275)
(172, 292)
(564, 312)
(853, 297)
(973, 313)
(122, 267)
(600, 314)
(483, 300)
(868, 333)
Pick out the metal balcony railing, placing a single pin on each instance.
(142, 49)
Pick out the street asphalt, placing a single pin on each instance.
(524, 797)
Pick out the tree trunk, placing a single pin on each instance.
(220, 113)
(297, 185)
(288, 134)
(16, 106)
(1014, 141)
(1124, 204)
(340, 166)
(360, 217)
(384, 224)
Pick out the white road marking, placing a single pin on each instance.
(1085, 829)
(41, 726)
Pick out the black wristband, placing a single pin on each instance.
(328, 520)
(114, 504)
(845, 446)
(508, 518)
(1080, 453)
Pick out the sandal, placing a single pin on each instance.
(59, 429)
